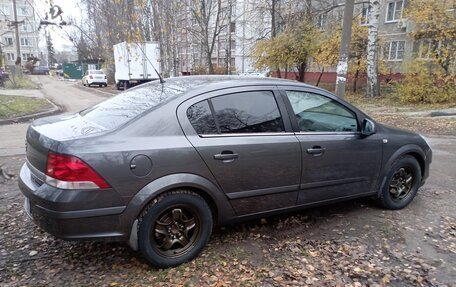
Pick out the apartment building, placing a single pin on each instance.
(28, 31)
(241, 24)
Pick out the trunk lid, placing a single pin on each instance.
(46, 134)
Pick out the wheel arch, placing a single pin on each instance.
(215, 198)
(408, 150)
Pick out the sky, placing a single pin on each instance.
(70, 11)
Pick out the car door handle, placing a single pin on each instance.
(316, 150)
(225, 156)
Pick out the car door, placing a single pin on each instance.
(338, 162)
(247, 145)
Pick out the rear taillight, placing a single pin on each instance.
(105, 78)
(70, 172)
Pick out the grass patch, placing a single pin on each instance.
(16, 106)
(21, 82)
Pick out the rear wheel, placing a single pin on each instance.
(174, 228)
(402, 183)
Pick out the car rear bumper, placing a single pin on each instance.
(59, 212)
(97, 82)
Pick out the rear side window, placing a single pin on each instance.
(247, 112)
(201, 118)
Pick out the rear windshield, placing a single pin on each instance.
(120, 109)
(96, 72)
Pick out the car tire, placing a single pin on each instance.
(174, 228)
(105, 85)
(100, 86)
(401, 184)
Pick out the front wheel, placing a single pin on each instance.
(174, 228)
(402, 183)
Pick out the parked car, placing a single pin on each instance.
(40, 70)
(162, 163)
(95, 77)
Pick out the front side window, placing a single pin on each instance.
(316, 113)
(394, 11)
(247, 112)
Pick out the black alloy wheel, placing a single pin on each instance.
(402, 183)
(174, 229)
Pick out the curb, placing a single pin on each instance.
(55, 110)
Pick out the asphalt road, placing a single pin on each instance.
(64, 94)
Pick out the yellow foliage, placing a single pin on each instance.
(436, 21)
(426, 84)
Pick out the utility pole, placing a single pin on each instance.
(342, 66)
(16, 29)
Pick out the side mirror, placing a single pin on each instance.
(368, 127)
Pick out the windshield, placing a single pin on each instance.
(120, 109)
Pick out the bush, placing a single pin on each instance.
(424, 82)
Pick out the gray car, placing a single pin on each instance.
(160, 164)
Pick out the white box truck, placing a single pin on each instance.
(136, 63)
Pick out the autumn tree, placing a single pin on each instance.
(429, 77)
(435, 27)
(290, 49)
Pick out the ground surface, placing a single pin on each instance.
(348, 244)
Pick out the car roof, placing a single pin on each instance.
(206, 83)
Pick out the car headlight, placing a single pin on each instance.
(428, 142)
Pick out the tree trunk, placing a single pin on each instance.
(358, 63)
(321, 75)
(278, 73)
(301, 71)
(373, 89)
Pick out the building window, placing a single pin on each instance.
(233, 44)
(394, 11)
(364, 16)
(10, 57)
(9, 41)
(24, 11)
(26, 28)
(5, 10)
(427, 48)
(395, 51)
(233, 27)
(26, 42)
(322, 21)
(25, 57)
